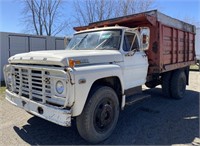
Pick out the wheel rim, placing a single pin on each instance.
(104, 115)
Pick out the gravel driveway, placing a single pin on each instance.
(156, 121)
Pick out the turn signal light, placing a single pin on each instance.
(72, 62)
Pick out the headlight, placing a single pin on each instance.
(59, 87)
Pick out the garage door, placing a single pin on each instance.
(17, 44)
(59, 44)
(37, 44)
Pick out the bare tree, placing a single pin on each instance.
(127, 7)
(43, 17)
(88, 11)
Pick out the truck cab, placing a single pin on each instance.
(122, 40)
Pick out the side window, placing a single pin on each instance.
(130, 42)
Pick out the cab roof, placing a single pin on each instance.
(103, 28)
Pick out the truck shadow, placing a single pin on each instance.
(156, 121)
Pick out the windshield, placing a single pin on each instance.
(99, 40)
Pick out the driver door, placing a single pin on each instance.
(135, 61)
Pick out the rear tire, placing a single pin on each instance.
(178, 84)
(166, 82)
(100, 115)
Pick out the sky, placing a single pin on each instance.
(11, 18)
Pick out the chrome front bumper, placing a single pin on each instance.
(53, 114)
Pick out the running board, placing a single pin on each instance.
(136, 98)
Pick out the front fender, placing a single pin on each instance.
(90, 74)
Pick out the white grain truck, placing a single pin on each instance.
(103, 64)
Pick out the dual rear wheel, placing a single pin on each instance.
(174, 84)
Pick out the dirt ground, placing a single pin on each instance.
(156, 121)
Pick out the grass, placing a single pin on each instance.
(2, 93)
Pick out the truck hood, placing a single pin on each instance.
(61, 57)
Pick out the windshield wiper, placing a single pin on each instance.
(78, 44)
(100, 44)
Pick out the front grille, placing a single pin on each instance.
(29, 83)
(36, 85)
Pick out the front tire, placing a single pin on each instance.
(100, 115)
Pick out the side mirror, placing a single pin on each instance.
(145, 35)
(145, 39)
